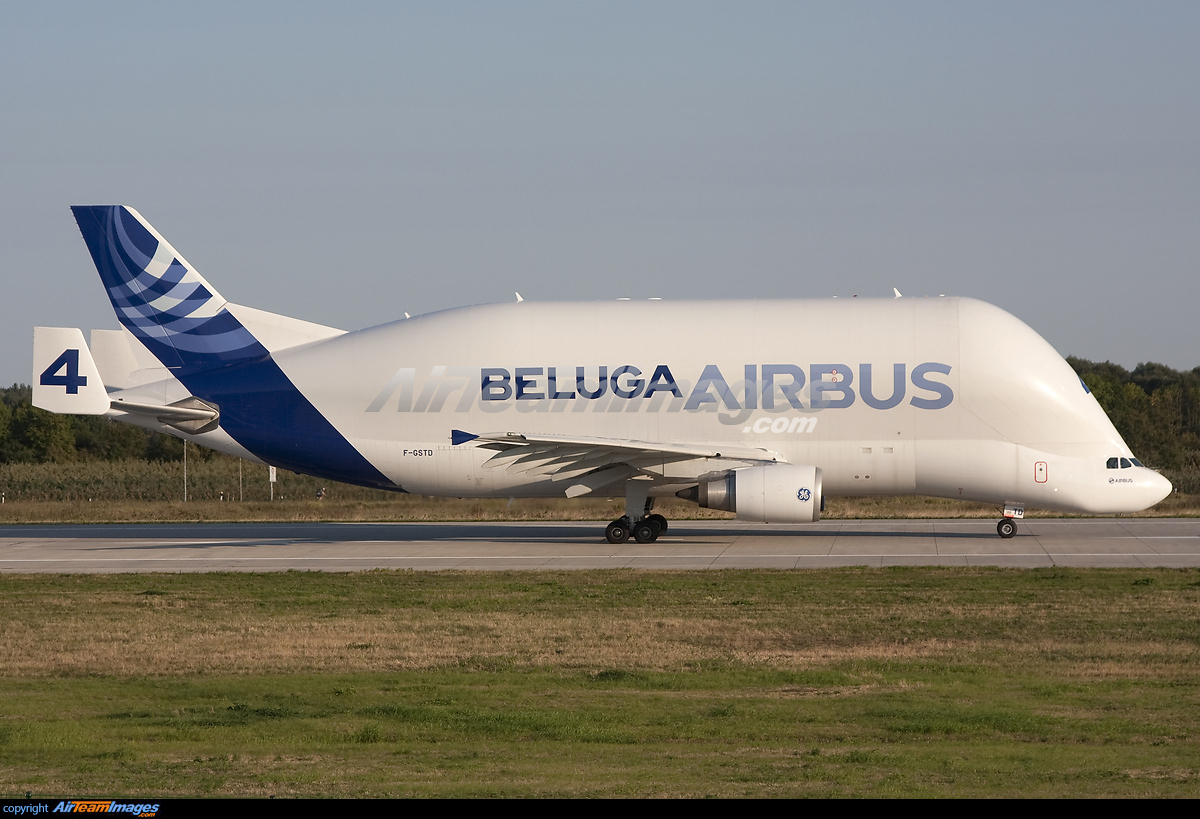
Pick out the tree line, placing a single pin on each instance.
(1155, 408)
(1157, 411)
(31, 435)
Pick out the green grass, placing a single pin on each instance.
(852, 730)
(854, 682)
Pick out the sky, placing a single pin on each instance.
(347, 163)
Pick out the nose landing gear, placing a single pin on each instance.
(1007, 527)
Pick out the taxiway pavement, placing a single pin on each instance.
(210, 547)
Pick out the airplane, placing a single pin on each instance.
(761, 408)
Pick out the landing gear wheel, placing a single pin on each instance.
(661, 521)
(1006, 528)
(645, 532)
(616, 532)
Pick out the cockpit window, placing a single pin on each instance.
(1112, 463)
(1125, 463)
(1136, 462)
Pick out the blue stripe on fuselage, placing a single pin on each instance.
(264, 412)
(214, 355)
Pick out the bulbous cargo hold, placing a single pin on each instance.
(1027, 429)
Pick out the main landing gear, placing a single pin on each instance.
(645, 530)
(637, 521)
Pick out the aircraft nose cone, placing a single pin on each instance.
(1156, 487)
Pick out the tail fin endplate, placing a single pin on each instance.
(65, 378)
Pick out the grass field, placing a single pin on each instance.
(855, 682)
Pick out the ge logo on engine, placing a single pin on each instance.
(804, 494)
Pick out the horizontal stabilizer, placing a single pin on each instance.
(191, 415)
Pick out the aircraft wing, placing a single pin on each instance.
(593, 462)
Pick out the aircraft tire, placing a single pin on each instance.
(645, 532)
(616, 532)
(1006, 528)
(661, 521)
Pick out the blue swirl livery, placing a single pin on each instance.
(183, 321)
(159, 297)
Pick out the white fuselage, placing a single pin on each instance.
(964, 401)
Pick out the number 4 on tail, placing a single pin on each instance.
(71, 383)
(71, 379)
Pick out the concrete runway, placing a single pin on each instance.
(209, 547)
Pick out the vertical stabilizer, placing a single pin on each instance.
(206, 345)
(159, 297)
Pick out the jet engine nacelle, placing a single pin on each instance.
(776, 493)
